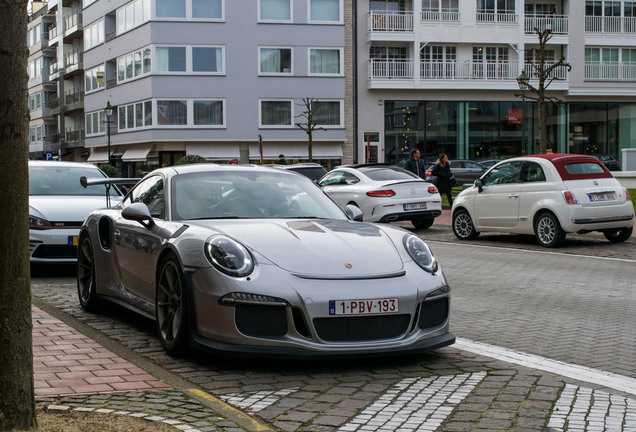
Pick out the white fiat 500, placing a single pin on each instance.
(548, 196)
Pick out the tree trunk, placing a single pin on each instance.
(310, 145)
(17, 401)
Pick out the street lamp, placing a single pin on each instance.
(108, 110)
(522, 81)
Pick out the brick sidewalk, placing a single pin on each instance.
(65, 362)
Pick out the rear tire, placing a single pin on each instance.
(86, 289)
(618, 235)
(548, 231)
(463, 226)
(423, 223)
(171, 307)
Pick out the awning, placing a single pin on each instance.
(137, 154)
(320, 150)
(214, 151)
(98, 155)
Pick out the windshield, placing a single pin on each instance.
(64, 180)
(242, 194)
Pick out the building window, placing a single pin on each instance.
(95, 123)
(94, 79)
(276, 113)
(274, 10)
(172, 112)
(133, 65)
(170, 59)
(328, 113)
(134, 116)
(325, 61)
(275, 61)
(208, 112)
(207, 9)
(207, 59)
(35, 68)
(325, 11)
(94, 34)
(170, 8)
(132, 15)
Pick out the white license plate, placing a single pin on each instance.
(415, 206)
(364, 307)
(609, 196)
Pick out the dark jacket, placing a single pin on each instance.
(413, 166)
(443, 174)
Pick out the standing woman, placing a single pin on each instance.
(444, 177)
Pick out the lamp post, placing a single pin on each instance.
(522, 81)
(108, 110)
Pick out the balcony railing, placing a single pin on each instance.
(491, 17)
(439, 16)
(390, 69)
(53, 68)
(52, 32)
(73, 19)
(559, 73)
(469, 70)
(616, 71)
(391, 21)
(73, 58)
(73, 97)
(557, 23)
(598, 24)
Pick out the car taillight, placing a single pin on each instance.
(569, 198)
(627, 197)
(381, 193)
(429, 173)
(432, 190)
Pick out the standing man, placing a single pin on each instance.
(415, 164)
(281, 160)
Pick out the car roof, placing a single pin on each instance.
(67, 164)
(560, 160)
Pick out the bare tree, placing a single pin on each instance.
(309, 125)
(545, 74)
(17, 400)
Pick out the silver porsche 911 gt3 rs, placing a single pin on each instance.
(255, 260)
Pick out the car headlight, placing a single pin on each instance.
(229, 256)
(421, 254)
(37, 223)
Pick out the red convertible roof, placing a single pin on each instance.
(561, 160)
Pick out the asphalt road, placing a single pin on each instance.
(574, 304)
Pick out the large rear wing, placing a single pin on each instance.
(85, 182)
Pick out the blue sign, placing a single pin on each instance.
(49, 155)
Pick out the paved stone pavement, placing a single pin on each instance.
(449, 389)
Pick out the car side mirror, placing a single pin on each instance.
(353, 212)
(138, 212)
(480, 185)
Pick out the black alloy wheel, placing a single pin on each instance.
(86, 290)
(171, 312)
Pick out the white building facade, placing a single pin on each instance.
(441, 76)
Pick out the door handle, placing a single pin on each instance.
(513, 196)
(117, 235)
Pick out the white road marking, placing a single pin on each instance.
(580, 373)
(464, 245)
(585, 409)
(257, 401)
(415, 404)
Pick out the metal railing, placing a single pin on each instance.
(72, 19)
(391, 21)
(606, 24)
(53, 68)
(390, 69)
(439, 16)
(560, 73)
(73, 97)
(469, 70)
(506, 18)
(557, 23)
(615, 71)
(73, 58)
(52, 32)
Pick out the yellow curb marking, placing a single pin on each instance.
(225, 407)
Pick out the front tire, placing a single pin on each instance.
(618, 235)
(548, 231)
(171, 310)
(423, 223)
(463, 226)
(86, 289)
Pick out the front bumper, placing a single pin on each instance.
(53, 245)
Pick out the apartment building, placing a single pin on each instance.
(441, 76)
(220, 79)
